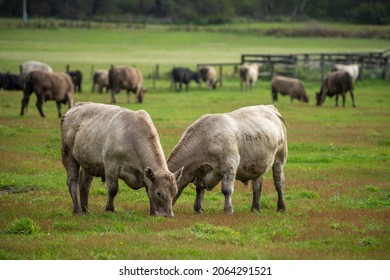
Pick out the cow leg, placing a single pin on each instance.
(69, 100)
(274, 95)
(353, 98)
(59, 109)
(256, 188)
(39, 105)
(72, 172)
(128, 95)
(112, 190)
(344, 96)
(25, 100)
(227, 190)
(85, 181)
(198, 205)
(113, 101)
(337, 100)
(278, 176)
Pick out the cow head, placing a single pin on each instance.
(140, 95)
(196, 77)
(161, 188)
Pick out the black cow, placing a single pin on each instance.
(184, 76)
(336, 83)
(77, 78)
(11, 81)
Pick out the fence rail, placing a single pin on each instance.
(377, 62)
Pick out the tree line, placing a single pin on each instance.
(204, 11)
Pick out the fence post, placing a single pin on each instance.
(386, 69)
(322, 67)
(361, 71)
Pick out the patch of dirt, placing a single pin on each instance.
(17, 189)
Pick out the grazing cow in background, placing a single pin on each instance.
(77, 79)
(249, 74)
(115, 143)
(242, 145)
(183, 76)
(127, 78)
(34, 65)
(352, 69)
(209, 76)
(336, 83)
(10, 81)
(100, 78)
(288, 86)
(47, 86)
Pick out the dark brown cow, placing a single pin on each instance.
(47, 86)
(336, 83)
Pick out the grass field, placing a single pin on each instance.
(337, 173)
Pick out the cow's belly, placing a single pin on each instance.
(253, 165)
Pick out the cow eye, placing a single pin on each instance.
(159, 194)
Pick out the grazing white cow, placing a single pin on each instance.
(243, 145)
(249, 74)
(352, 69)
(115, 143)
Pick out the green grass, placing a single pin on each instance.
(337, 175)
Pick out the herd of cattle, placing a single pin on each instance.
(48, 85)
(112, 143)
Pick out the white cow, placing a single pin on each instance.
(115, 143)
(352, 69)
(35, 65)
(249, 74)
(243, 145)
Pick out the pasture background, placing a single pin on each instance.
(337, 175)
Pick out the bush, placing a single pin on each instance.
(372, 13)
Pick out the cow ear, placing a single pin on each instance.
(178, 173)
(149, 174)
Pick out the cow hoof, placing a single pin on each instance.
(228, 211)
(255, 209)
(108, 209)
(199, 211)
(78, 213)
